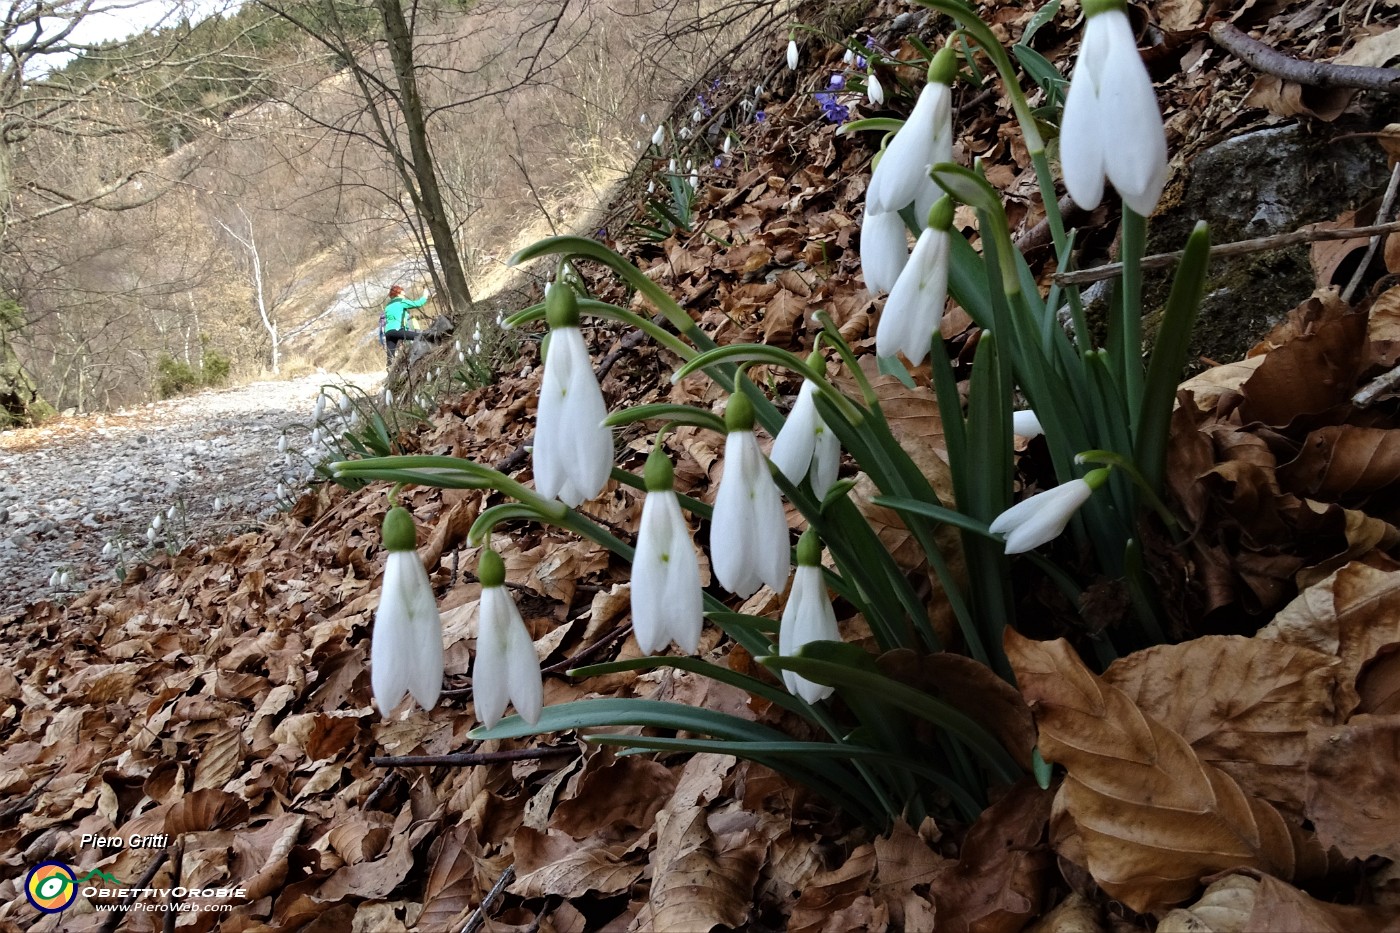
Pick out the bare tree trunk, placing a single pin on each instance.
(430, 204)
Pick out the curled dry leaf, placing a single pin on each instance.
(1223, 908)
(1075, 914)
(1152, 818)
(1353, 794)
(1245, 705)
(831, 894)
(701, 879)
(1248, 902)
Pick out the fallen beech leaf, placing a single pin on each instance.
(1379, 683)
(699, 880)
(1344, 461)
(1152, 817)
(1244, 704)
(999, 881)
(904, 862)
(1223, 908)
(554, 863)
(1352, 614)
(1353, 795)
(1306, 375)
(1075, 914)
(832, 891)
(205, 809)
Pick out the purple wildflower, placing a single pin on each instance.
(837, 82)
(832, 109)
(760, 116)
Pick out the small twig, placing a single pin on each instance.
(1386, 203)
(585, 653)
(470, 759)
(115, 917)
(389, 781)
(1385, 382)
(632, 341)
(478, 917)
(1309, 234)
(1040, 234)
(175, 871)
(1271, 61)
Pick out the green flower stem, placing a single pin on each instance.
(1051, 202)
(1134, 246)
(667, 411)
(609, 312)
(486, 522)
(1114, 459)
(774, 356)
(843, 349)
(881, 124)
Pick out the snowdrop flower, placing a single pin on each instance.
(728, 144)
(884, 250)
(345, 404)
(506, 668)
(672, 167)
(1112, 126)
(807, 617)
(282, 444)
(792, 56)
(749, 533)
(1032, 522)
(874, 90)
(806, 445)
(684, 132)
(925, 140)
(151, 536)
(667, 600)
(107, 550)
(319, 409)
(170, 513)
(849, 58)
(461, 357)
(281, 491)
(65, 579)
(696, 116)
(644, 119)
(915, 306)
(218, 504)
(694, 180)
(1026, 424)
(405, 654)
(54, 579)
(651, 187)
(573, 448)
(157, 522)
(388, 397)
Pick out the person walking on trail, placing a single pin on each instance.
(396, 325)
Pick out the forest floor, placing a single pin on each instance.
(217, 704)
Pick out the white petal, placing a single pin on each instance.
(406, 643)
(1082, 133)
(874, 90)
(1025, 423)
(884, 249)
(1137, 166)
(687, 610)
(792, 57)
(649, 571)
(808, 616)
(896, 179)
(915, 306)
(523, 670)
(572, 450)
(1032, 522)
(490, 686)
(795, 443)
(826, 461)
(748, 534)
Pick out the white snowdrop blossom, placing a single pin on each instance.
(107, 550)
(874, 90)
(405, 654)
(282, 444)
(924, 140)
(151, 536)
(667, 599)
(281, 491)
(807, 617)
(1026, 424)
(218, 504)
(884, 250)
(388, 397)
(748, 533)
(320, 408)
(1032, 522)
(1112, 127)
(915, 306)
(807, 445)
(728, 144)
(573, 448)
(659, 137)
(157, 522)
(345, 404)
(54, 578)
(506, 668)
(170, 513)
(792, 55)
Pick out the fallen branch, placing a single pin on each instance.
(115, 917)
(1309, 234)
(470, 759)
(1271, 61)
(478, 917)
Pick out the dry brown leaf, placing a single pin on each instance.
(1352, 614)
(905, 862)
(1223, 908)
(1075, 914)
(1152, 818)
(1378, 686)
(555, 863)
(700, 880)
(999, 881)
(1353, 790)
(829, 893)
(1244, 705)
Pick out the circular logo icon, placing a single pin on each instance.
(51, 887)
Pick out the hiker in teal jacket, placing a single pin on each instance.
(396, 324)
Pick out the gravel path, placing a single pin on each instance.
(70, 488)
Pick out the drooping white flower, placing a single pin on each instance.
(218, 504)
(807, 445)
(850, 57)
(808, 616)
(667, 599)
(874, 90)
(65, 579)
(644, 119)
(659, 137)
(320, 407)
(170, 513)
(157, 522)
(506, 668)
(573, 448)
(1026, 423)
(405, 655)
(748, 533)
(884, 250)
(54, 578)
(915, 306)
(388, 397)
(925, 140)
(792, 55)
(281, 491)
(1032, 522)
(1112, 127)
(151, 536)
(107, 550)
(728, 144)
(345, 404)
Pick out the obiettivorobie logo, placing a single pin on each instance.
(52, 886)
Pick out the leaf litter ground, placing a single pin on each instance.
(221, 695)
